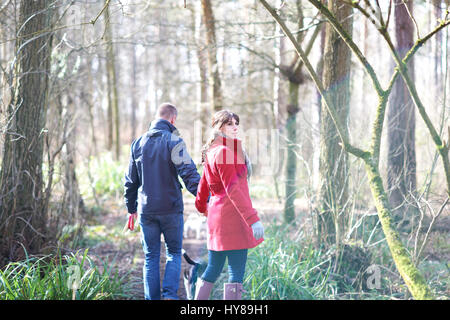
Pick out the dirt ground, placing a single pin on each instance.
(127, 256)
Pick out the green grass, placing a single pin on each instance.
(55, 277)
(284, 268)
(107, 176)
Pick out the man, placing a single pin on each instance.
(153, 191)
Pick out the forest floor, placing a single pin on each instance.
(122, 251)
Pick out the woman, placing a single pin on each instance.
(223, 196)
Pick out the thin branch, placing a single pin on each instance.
(93, 21)
(434, 217)
(412, 18)
(389, 14)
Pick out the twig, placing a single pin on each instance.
(434, 217)
(389, 14)
(412, 18)
(100, 13)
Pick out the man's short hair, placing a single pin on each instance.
(166, 111)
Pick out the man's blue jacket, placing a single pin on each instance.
(157, 159)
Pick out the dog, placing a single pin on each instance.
(195, 224)
(191, 275)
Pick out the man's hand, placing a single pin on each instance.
(130, 222)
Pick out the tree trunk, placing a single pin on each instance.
(279, 98)
(22, 219)
(291, 157)
(410, 274)
(401, 162)
(438, 70)
(214, 76)
(134, 90)
(333, 166)
(202, 87)
(113, 99)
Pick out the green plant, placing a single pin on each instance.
(286, 268)
(56, 277)
(103, 175)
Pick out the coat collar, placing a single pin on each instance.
(224, 140)
(162, 124)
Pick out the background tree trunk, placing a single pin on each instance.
(291, 157)
(333, 166)
(295, 78)
(214, 75)
(22, 219)
(401, 162)
(113, 99)
(202, 87)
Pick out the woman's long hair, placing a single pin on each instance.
(219, 119)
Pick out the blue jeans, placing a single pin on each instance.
(236, 265)
(171, 226)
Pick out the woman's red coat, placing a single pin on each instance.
(229, 210)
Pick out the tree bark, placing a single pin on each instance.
(333, 165)
(134, 89)
(214, 75)
(202, 86)
(291, 156)
(22, 219)
(113, 99)
(401, 161)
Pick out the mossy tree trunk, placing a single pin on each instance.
(414, 280)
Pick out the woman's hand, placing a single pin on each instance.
(258, 230)
(204, 214)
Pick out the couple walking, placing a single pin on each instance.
(153, 191)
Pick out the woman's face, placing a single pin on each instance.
(230, 129)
